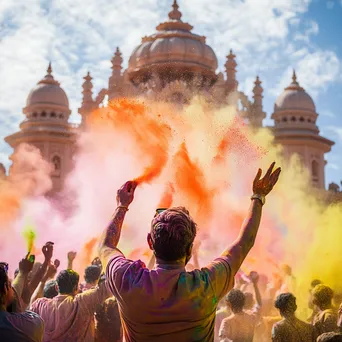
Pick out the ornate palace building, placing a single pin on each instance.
(172, 65)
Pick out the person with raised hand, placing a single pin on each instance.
(49, 275)
(37, 273)
(71, 258)
(69, 316)
(168, 303)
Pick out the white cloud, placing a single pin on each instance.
(333, 166)
(336, 131)
(312, 29)
(327, 113)
(315, 71)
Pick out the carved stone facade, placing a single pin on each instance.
(171, 65)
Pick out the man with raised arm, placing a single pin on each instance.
(168, 303)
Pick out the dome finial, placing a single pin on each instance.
(48, 79)
(175, 14)
(49, 69)
(294, 77)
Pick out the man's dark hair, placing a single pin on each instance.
(315, 282)
(286, 303)
(3, 282)
(236, 299)
(330, 337)
(50, 290)
(92, 274)
(67, 280)
(173, 232)
(322, 295)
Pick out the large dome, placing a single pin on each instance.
(172, 52)
(294, 97)
(48, 92)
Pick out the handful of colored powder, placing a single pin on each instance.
(29, 235)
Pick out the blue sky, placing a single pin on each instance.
(269, 38)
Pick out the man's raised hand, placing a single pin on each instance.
(71, 255)
(264, 185)
(48, 251)
(125, 194)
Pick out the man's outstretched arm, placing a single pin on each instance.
(248, 232)
(111, 236)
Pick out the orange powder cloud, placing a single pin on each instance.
(135, 120)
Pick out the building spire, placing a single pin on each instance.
(49, 69)
(294, 85)
(230, 66)
(48, 79)
(117, 60)
(258, 115)
(294, 77)
(175, 14)
(87, 100)
(115, 80)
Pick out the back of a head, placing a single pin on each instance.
(322, 295)
(236, 300)
(173, 232)
(92, 274)
(67, 281)
(50, 290)
(330, 337)
(315, 282)
(286, 303)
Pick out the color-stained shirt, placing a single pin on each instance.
(69, 318)
(325, 321)
(168, 303)
(239, 327)
(293, 330)
(21, 327)
(220, 316)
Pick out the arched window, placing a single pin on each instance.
(284, 119)
(301, 119)
(315, 170)
(293, 119)
(57, 165)
(53, 115)
(43, 114)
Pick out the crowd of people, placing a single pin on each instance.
(170, 299)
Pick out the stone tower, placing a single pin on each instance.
(296, 130)
(46, 127)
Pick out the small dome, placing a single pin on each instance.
(294, 97)
(48, 92)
